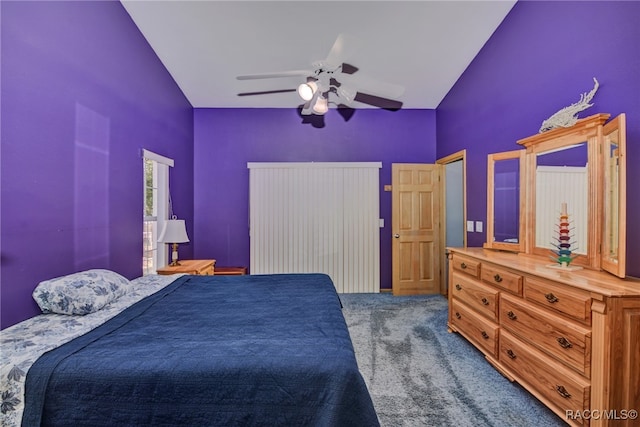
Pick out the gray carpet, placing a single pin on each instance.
(418, 374)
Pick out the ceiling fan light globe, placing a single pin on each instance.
(306, 90)
(321, 106)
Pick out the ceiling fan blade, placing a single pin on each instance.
(378, 101)
(275, 74)
(266, 92)
(348, 68)
(364, 83)
(343, 48)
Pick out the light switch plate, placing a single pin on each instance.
(470, 226)
(478, 226)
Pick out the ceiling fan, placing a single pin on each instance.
(333, 81)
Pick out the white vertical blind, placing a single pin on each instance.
(317, 218)
(561, 184)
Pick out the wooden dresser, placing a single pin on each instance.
(572, 338)
(198, 267)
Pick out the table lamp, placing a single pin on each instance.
(174, 232)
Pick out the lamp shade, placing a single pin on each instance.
(174, 231)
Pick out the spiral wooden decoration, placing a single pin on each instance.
(563, 242)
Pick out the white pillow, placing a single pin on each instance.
(80, 293)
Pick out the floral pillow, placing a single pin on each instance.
(80, 293)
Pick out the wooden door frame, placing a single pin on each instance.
(457, 156)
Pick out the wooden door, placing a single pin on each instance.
(415, 226)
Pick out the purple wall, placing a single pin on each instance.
(80, 99)
(226, 139)
(542, 57)
(82, 93)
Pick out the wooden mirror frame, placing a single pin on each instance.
(614, 206)
(587, 130)
(491, 160)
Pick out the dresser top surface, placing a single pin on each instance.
(591, 280)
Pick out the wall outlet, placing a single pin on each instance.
(478, 226)
(469, 226)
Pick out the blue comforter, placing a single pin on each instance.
(210, 351)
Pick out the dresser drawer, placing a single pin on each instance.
(502, 278)
(466, 265)
(476, 328)
(561, 338)
(478, 296)
(563, 388)
(563, 299)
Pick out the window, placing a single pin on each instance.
(155, 209)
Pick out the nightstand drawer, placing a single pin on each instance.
(207, 271)
(560, 338)
(478, 296)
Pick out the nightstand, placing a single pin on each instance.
(198, 267)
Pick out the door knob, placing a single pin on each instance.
(397, 236)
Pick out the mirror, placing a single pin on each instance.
(505, 201)
(562, 184)
(562, 170)
(614, 203)
(579, 171)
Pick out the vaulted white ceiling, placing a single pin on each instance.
(422, 45)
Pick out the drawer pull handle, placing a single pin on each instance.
(563, 392)
(564, 343)
(511, 315)
(497, 278)
(458, 287)
(551, 297)
(485, 335)
(463, 266)
(485, 301)
(511, 354)
(458, 315)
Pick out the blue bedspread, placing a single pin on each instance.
(209, 351)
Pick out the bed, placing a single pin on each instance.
(190, 350)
